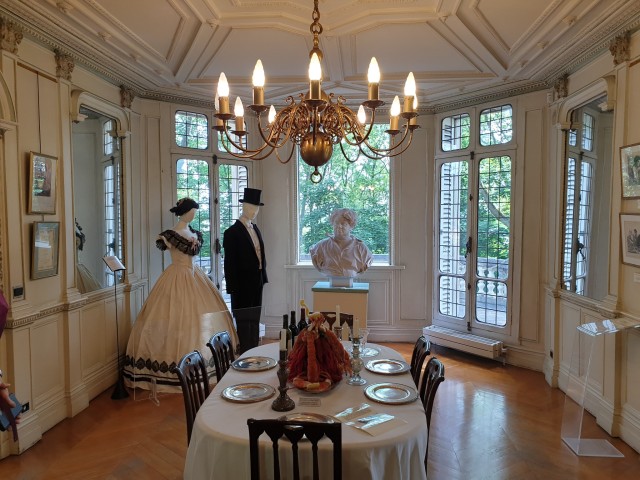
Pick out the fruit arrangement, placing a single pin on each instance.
(318, 360)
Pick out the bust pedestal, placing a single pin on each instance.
(352, 299)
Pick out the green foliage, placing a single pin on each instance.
(363, 186)
(192, 130)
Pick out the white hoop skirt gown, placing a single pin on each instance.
(182, 312)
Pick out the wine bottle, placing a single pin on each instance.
(293, 328)
(285, 326)
(302, 324)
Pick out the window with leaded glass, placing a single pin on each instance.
(192, 130)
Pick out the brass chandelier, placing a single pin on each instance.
(317, 121)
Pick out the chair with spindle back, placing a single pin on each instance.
(293, 432)
(222, 352)
(421, 350)
(192, 374)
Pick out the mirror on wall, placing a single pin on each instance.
(97, 172)
(587, 198)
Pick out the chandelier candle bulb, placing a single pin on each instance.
(223, 94)
(219, 126)
(258, 84)
(362, 116)
(272, 114)
(373, 76)
(394, 112)
(238, 111)
(315, 76)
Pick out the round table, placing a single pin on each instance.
(219, 446)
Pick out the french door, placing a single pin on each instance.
(474, 242)
(217, 184)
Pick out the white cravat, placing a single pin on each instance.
(254, 238)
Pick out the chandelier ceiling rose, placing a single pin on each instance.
(317, 121)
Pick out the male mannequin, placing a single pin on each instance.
(245, 269)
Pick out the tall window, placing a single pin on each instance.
(363, 186)
(192, 130)
(107, 137)
(112, 239)
(474, 233)
(578, 206)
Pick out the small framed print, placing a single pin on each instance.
(43, 176)
(630, 235)
(44, 256)
(630, 164)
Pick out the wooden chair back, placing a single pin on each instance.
(222, 352)
(292, 433)
(431, 379)
(192, 374)
(421, 351)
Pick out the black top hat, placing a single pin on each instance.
(252, 196)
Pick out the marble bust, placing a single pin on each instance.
(341, 256)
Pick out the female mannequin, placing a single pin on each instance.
(182, 312)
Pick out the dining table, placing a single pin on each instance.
(219, 444)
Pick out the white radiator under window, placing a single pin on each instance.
(465, 342)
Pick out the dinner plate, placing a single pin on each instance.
(366, 352)
(391, 393)
(248, 392)
(254, 364)
(307, 417)
(387, 366)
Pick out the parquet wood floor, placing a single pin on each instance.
(489, 423)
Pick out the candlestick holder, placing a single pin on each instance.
(356, 364)
(283, 403)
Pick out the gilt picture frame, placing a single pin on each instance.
(630, 237)
(43, 180)
(630, 165)
(44, 249)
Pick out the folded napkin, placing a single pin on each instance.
(364, 418)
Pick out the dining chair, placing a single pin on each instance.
(421, 350)
(432, 378)
(293, 433)
(222, 352)
(192, 374)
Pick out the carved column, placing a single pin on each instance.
(10, 36)
(619, 48)
(64, 65)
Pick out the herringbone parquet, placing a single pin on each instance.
(489, 422)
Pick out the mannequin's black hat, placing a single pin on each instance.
(183, 206)
(252, 196)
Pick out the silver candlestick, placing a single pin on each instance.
(356, 364)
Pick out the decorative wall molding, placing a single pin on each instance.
(561, 86)
(126, 96)
(64, 65)
(620, 48)
(10, 35)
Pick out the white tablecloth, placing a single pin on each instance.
(219, 447)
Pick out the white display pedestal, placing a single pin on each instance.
(352, 300)
(572, 416)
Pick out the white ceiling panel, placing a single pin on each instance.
(459, 50)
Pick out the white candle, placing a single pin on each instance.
(345, 331)
(338, 314)
(283, 340)
(356, 328)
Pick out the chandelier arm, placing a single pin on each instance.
(346, 157)
(394, 145)
(390, 152)
(371, 154)
(293, 149)
(274, 134)
(247, 153)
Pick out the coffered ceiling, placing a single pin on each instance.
(459, 50)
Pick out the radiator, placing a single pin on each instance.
(465, 342)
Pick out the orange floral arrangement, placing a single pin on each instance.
(318, 360)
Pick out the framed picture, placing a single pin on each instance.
(43, 176)
(44, 255)
(630, 235)
(630, 163)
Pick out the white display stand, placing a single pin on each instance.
(352, 300)
(572, 416)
